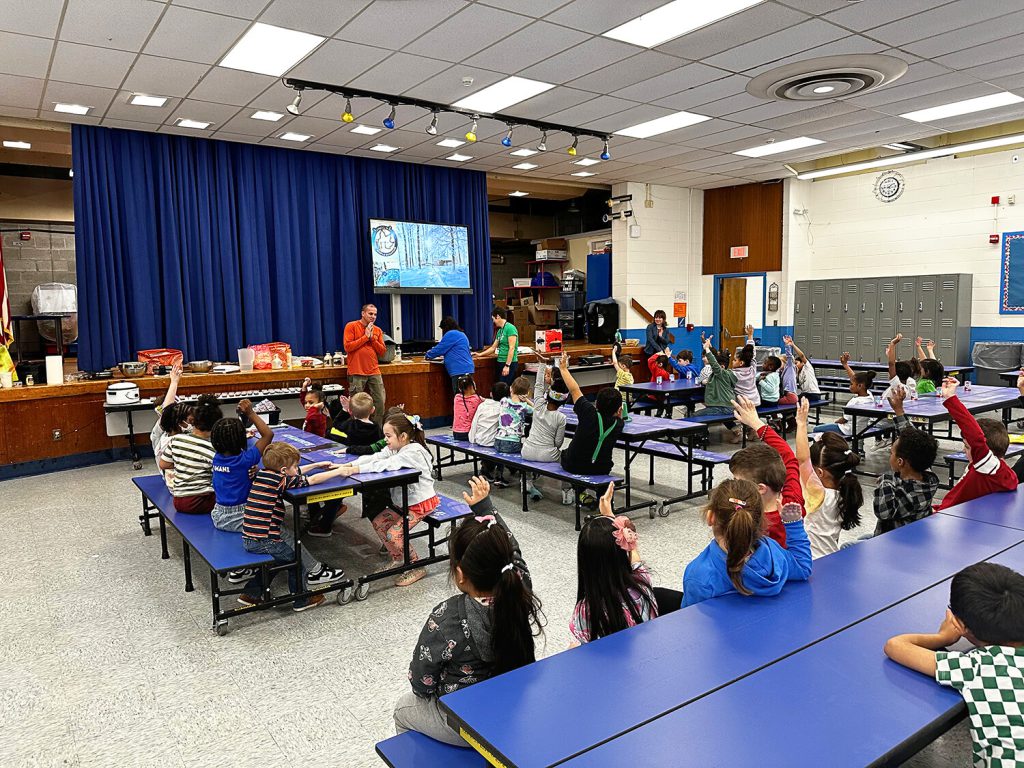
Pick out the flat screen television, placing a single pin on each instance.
(416, 257)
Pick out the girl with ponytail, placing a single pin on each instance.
(485, 630)
(832, 492)
(740, 559)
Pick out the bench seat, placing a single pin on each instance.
(414, 750)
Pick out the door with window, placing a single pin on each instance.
(732, 313)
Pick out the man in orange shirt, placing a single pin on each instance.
(364, 344)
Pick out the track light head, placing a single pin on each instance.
(347, 116)
(575, 143)
(471, 133)
(507, 141)
(543, 146)
(293, 108)
(432, 128)
(605, 154)
(389, 121)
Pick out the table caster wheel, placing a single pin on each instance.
(436, 474)
(662, 510)
(345, 595)
(363, 591)
(221, 627)
(652, 510)
(136, 465)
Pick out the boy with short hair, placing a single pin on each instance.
(986, 607)
(263, 524)
(623, 369)
(770, 465)
(905, 494)
(359, 433)
(598, 427)
(985, 444)
(683, 363)
(720, 390)
(312, 398)
(484, 430)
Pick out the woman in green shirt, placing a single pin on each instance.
(505, 346)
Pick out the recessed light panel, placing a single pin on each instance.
(664, 124)
(72, 109)
(524, 152)
(459, 158)
(292, 136)
(270, 50)
(450, 143)
(17, 145)
(262, 114)
(497, 97)
(384, 148)
(185, 122)
(525, 166)
(587, 161)
(675, 19)
(366, 130)
(963, 107)
(584, 174)
(517, 193)
(142, 100)
(778, 147)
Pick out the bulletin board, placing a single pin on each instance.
(1011, 274)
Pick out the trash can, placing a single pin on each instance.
(991, 358)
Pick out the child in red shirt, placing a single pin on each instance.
(312, 399)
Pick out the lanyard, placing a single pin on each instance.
(602, 435)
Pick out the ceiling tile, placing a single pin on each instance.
(991, 71)
(192, 35)
(71, 93)
(17, 91)
(595, 109)
(736, 103)
(628, 71)
(527, 47)
(23, 55)
(713, 130)
(928, 100)
(861, 16)
(594, 54)
(1009, 26)
(19, 112)
(771, 47)
(121, 24)
(816, 7)
(901, 91)
(865, 129)
(218, 114)
(243, 124)
(981, 119)
(376, 25)
(399, 73)
(809, 114)
(121, 108)
(127, 125)
(766, 110)
(688, 76)
(338, 62)
(624, 117)
(164, 77)
(549, 102)
(981, 54)
(312, 126)
(467, 32)
(598, 16)
(318, 17)
(534, 8)
(243, 9)
(1013, 83)
(86, 64)
(937, 21)
(749, 135)
(706, 93)
(854, 44)
(343, 137)
(734, 31)
(231, 86)
(447, 88)
(31, 17)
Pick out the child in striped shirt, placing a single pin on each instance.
(190, 456)
(263, 524)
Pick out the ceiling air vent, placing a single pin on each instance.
(828, 77)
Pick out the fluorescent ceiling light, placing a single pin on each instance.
(963, 107)
(779, 146)
(185, 122)
(900, 147)
(587, 161)
(913, 157)
(524, 152)
(509, 91)
(292, 136)
(142, 100)
(450, 143)
(384, 148)
(662, 125)
(366, 130)
(17, 145)
(525, 166)
(517, 193)
(459, 158)
(675, 19)
(584, 173)
(269, 50)
(262, 114)
(71, 109)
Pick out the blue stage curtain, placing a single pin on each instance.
(207, 246)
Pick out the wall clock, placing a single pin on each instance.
(889, 186)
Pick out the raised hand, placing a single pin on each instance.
(896, 398)
(706, 343)
(1020, 383)
(897, 339)
(802, 409)
(787, 340)
(307, 382)
(844, 358)
(176, 373)
(479, 488)
(920, 341)
(749, 329)
(949, 385)
(604, 504)
(563, 361)
(746, 413)
(930, 346)
(245, 406)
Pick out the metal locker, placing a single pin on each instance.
(888, 312)
(926, 308)
(833, 318)
(906, 316)
(867, 325)
(953, 329)
(816, 347)
(802, 315)
(850, 324)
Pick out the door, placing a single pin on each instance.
(850, 329)
(816, 348)
(732, 312)
(802, 314)
(833, 318)
(927, 307)
(867, 326)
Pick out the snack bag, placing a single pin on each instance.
(154, 358)
(271, 356)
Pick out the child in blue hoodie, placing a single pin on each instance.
(741, 559)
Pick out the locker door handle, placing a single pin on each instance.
(901, 306)
(881, 306)
(812, 306)
(797, 308)
(920, 306)
(846, 307)
(940, 306)
(864, 307)
(828, 307)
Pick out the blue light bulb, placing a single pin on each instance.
(389, 123)
(506, 142)
(605, 156)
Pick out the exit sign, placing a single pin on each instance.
(738, 252)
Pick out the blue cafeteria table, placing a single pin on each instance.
(1006, 509)
(567, 703)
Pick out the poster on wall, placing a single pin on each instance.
(1011, 275)
(679, 308)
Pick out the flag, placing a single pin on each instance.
(6, 333)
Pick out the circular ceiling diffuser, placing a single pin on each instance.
(828, 77)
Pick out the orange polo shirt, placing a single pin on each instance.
(363, 352)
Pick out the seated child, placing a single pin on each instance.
(406, 449)
(985, 444)
(512, 420)
(905, 493)
(745, 370)
(860, 388)
(175, 419)
(788, 388)
(312, 398)
(832, 492)
(484, 428)
(769, 383)
(660, 364)
(806, 379)
(683, 363)
(613, 585)
(359, 433)
(598, 427)
(623, 368)
(464, 408)
(487, 628)
(986, 608)
(544, 443)
(932, 374)
(190, 455)
(901, 372)
(263, 526)
(740, 559)
(232, 465)
(771, 466)
(720, 390)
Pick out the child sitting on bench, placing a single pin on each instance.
(311, 396)
(986, 608)
(904, 494)
(740, 559)
(598, 427)
(190, 455)
(464, 408)
(484, 429)
(486, 629)
(806, 379)
(745, 370)
(860, 388)
(720, 390)
(769, 382)
(544, 443)
(612, 583)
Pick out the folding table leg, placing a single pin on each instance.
(164, 554)
(186, 553)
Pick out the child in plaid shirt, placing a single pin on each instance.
(986, 608)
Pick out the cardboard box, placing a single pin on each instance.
(553, 243)
(519, 317)
(527, 301)
(502, 303)
(552, 255)
(548, 341)
(527, 333)
(544, 315)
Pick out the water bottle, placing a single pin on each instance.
(912, 389)
(398, 352)
(671, 377)
(660, 380)
(967, 385)
(689, 377)
(328, 359)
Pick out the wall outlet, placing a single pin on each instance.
(57, 435)
(648, 203)
(1011, 199)
(634, 230)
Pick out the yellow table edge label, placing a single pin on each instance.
(341, 493)
(485, 753)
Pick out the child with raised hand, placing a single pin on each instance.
(985, 444)
(598, 427)
(175, 419)
(806, 379)
(860, 388)
(311, 396)
(921, 353)
(264, 530)
(904, 494)
(832, 492)
(233, 465)
(544, 443)
(464, 407)
(770, 465)
(487, 628)
(484, 430)
(623, 368)
(613, 586)
(901, 373)
(190, 455)
(740, 559)
(512, 419)
(745, 370)
(406, 449)
(164, 430)
(986, 608)
(769, 382)
(720, 389)
(359, 433)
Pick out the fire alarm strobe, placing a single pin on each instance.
(995, 199)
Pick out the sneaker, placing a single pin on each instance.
(325, 576)
(732, 436)
(567, 497)
(319, 532)
(409, 577)
(245, 599)
(312, 602)
(241, 575)
(534, 493)
(588, 499)
(500, 482)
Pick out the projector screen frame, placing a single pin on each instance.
(416, 291)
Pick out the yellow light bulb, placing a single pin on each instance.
(470, 136)
(348, 117)
(572, 151)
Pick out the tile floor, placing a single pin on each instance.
(106, 661)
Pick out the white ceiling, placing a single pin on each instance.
(98, 52)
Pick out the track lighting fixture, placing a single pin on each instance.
(389, 121)
(543, 146)
(471, 133)
(432, 128)
(605, 154)
(575, 143)
(294, 106)
(347, 116)
(507, 141)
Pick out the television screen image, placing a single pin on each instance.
(413, 257)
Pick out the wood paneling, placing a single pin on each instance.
(749, 215)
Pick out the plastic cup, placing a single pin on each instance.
(246, 358)
(661, 379)
(6, 379)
